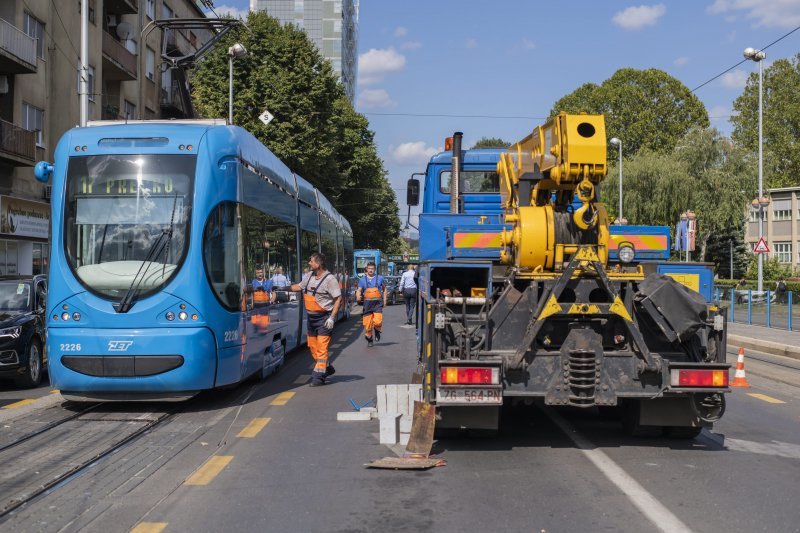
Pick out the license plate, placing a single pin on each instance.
(469, 396)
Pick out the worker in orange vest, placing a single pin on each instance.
(372, 292)
(322, 298)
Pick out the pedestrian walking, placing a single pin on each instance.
(279, 279)
(408, 286)
(780, 291)
(372, 292)
(322, 298)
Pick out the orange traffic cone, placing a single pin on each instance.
(739, 379)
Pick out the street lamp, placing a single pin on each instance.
(758, 56)
(237, 51)
(617, 142)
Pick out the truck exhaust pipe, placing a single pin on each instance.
(455, 175)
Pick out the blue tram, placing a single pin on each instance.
(364, 257)
(159, 231)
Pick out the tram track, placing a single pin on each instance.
(51, 456)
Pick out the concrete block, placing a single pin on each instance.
(398, 398)
(405, 424)
(390, 428)
(353, 416)
(404, 438)
(373, 411)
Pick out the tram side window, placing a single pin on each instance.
(329, 243)
(222, 255)
(340, 268)
(348, 254)
(269, 244)
(308, 245)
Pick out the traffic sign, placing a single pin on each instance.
(266, 117)
(761, 247)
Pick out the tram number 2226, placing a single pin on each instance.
(69, 347)
(232, 335)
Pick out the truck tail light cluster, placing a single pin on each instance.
(698, 378)
(462, 375)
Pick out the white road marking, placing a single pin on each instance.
(661, 517)
(780, 449)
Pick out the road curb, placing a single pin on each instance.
(41, 403)
(772, 348)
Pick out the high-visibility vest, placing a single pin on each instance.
(373, 293)
(312, 306)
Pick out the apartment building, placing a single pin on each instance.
(330, 24)
(781, 225)
(39, 101)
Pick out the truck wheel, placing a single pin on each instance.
(33, 374)
(678, 432)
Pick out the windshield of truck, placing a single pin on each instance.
(485, 181)
(118, 208)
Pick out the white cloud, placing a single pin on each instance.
(681, 61)
(400, 31)
(223, 10)
(411, 45)
(767, 13)
(719, 114)
(637, 17)
(471, 44)
(376, 63)
(412, 153)
(375, 99)
(527, 44)
(735, 79)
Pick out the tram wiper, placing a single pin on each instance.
(160, 244)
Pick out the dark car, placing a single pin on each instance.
(393, 288)
(22, 330)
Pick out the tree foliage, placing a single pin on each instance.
(647, 109)
(704, 172)
(781, 121)
(490, 142)
(316, 131)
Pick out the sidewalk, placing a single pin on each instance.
(767, 340)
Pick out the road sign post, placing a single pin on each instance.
(761, 247)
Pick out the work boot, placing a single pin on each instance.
(329, 371)
(317, 382)
(369, 341)
(377, 335)
(409, 322)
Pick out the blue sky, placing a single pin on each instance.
(468, 58)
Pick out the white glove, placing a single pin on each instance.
(329, 323)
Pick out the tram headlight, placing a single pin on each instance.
(65, 316)
(183, 315)
(76, 317)
(170, 316)
(626, 254)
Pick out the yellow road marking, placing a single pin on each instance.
(54, 391)
(209, 471)
(764, 397)
(149, 527)
(282, 398)
(18, 404)
(253, 428)
(302, 379)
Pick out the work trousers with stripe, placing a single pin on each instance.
(372, 316)
(319, 337)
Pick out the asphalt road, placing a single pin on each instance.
(11, 395)
(548, 470)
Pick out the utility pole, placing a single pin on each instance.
(732, 259)
(84, 82)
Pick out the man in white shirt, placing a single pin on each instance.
(278, 279)
(408, 286)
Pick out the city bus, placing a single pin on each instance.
(363, 257)
(159, 229)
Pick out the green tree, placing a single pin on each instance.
(490, 142)
(773, 269)
(316, 132)
(645, 108)
(781, 121)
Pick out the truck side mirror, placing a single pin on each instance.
(412, 192)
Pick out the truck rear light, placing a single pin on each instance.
(460, 375)
(698, 378)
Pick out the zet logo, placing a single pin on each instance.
(119, 346)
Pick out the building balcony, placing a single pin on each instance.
(17, 145)
(120, 7)
(110, 109)
(17, 50)
(118, 63)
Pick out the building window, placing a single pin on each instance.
(35, 28)
(151, 64)
(150, 9)
(129, 111)
(33, 120)
(166, 12)
(90, 85)
(754, 215)
(783, 251)
(782, 209)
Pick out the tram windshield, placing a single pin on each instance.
(126, 220)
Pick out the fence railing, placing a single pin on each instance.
(772, 309)
(17, 141)
(118, 53)
(17, 42)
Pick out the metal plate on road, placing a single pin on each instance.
(469, 396)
